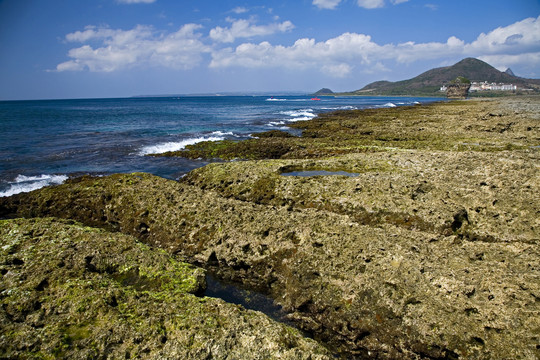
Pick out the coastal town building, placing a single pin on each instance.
(486, 86)
(483, 86)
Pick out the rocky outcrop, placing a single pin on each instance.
(457, 91)
(70, 291)
(509, 72)
(432, 251)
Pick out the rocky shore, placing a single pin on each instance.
(431, 250)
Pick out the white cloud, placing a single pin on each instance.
(326, 4)
(246, 29)
(337, 70)
(375, 4)
(371, 4)
(239, 10)
(105, 49)
(518, 43)
(410, 52)
(527, 62)
(335, 56)
(520, 37)
(366, 4)
(93, 33)
(136, 1)
(141, 45)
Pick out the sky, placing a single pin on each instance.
(55, 49)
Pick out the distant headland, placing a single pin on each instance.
(485, 80)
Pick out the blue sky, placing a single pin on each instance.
(117, 48)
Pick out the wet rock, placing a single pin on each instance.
(116, 298)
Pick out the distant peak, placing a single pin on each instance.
(324, 91)
(510, 72)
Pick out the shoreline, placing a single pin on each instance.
(432, 250)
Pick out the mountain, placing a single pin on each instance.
(429, 82)
(324, 91)
(510, 72)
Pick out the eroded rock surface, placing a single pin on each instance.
(432, 251)
(70, 291)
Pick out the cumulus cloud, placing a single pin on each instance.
(517, 44)
(326, 4)
(246, 29)
(119, 49)
(339, 56)
(334, 56)
(520, 37)
(410, 52)
(529, 62)
(105, 49)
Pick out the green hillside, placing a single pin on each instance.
(429, 82)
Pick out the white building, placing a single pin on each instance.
(484, 85)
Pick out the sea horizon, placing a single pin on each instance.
(45, 142)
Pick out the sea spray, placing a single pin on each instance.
(24, 183)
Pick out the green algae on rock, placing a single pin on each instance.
(383, 289)
(70, 291)
(479, 125)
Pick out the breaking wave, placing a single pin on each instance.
(24, 183)
(179, 145)
(298, 115)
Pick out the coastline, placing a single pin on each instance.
(432, 251)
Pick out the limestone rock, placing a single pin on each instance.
(432, 251)
(457, 91)
(69, 291)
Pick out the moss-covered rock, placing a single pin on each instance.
(69, 291)
(488, 126)
(381, 288)
(271, 147)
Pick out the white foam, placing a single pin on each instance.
(221, 133)
(176, 145)
(301, 118)
(24, 183)
(298, 112)
(274, 99)
(276, 123)
(344, 107)
(297, 115)
(389, 105)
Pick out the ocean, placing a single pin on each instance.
(47, 141)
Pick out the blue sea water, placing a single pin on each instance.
(45, 142)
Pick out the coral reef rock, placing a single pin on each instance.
(70, 291)
(429, 250)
